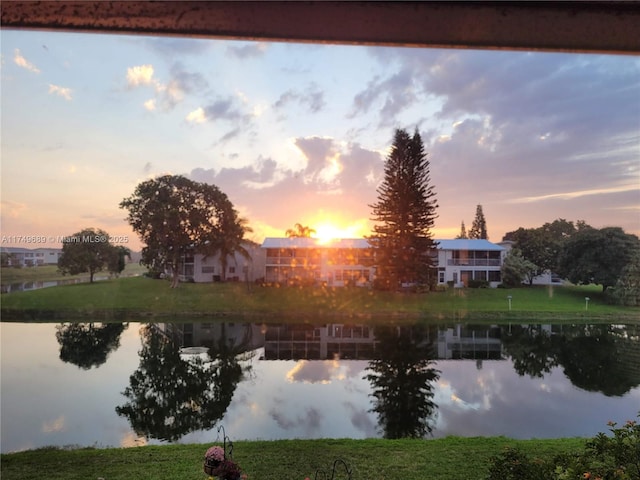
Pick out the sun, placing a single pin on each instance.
(329, 229)
(326, 232)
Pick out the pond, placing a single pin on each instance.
(134, 384)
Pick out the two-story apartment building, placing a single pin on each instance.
(463, 260)
(337, 262)
(31, 257)
(200, 268)
(343, 262)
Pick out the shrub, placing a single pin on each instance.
(513, 464)
(605, 457)
(478, 284)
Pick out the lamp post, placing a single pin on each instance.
(586, 303)
(509, 299)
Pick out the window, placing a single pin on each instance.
(208, 269)
(494, 276)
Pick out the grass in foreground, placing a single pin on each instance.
(451, 458)
(130, 298)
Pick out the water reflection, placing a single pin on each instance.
(403, 379)
(172, 394)
(596, 358)
(88, 345)
(130, 384)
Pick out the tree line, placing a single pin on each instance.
(578, 252)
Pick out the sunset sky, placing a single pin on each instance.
(298, 133)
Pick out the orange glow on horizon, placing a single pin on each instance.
(330, 227)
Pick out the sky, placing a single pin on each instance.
(299, 133)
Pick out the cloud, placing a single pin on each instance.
(13, 209)
(582, 193)
(60, 91)
(224, 109)
(361, 419)
(311, 420)
(294, 192)
(171, 93)
(196, 116)
(140, 75)
(23, 62)
(57, 425)
(171, 47)
(150, 104)
(248, 50)
(392, 95)
(311, 99)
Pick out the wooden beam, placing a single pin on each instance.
(591, 27)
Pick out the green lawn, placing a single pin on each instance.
(451, 458)
(130, 298)
(47, 273)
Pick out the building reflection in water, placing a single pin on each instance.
(334, 340)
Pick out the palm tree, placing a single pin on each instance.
(299, 231)
(231, 241)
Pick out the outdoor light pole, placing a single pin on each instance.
(509, 298)
(586, 303)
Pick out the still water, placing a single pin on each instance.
(135, 384)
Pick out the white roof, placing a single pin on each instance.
(307, 242)
(467, 244)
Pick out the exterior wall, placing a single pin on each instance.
(460, 261)
(349, 262)
(337, 267)
(203, 269)
(460, 270)
(25, 257)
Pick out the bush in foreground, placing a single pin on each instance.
(605, 457)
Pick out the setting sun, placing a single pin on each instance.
(329, 229)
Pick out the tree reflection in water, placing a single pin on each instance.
(596, 358)
(172, 394)
(88, 345)
(402, 378)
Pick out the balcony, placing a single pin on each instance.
(473, 262)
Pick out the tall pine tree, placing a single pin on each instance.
(405, 213)
(463, 231)
(479, 225)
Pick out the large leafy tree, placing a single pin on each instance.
(542, 245)
(86, 251)
(517, 269)
(174, 216)
(405, 214)
(479, 225)
(597, 256)
(627, 288)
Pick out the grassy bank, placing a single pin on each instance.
(451, 458)
(50, 273)
(139, 297)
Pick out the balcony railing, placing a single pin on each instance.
(473, 262)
